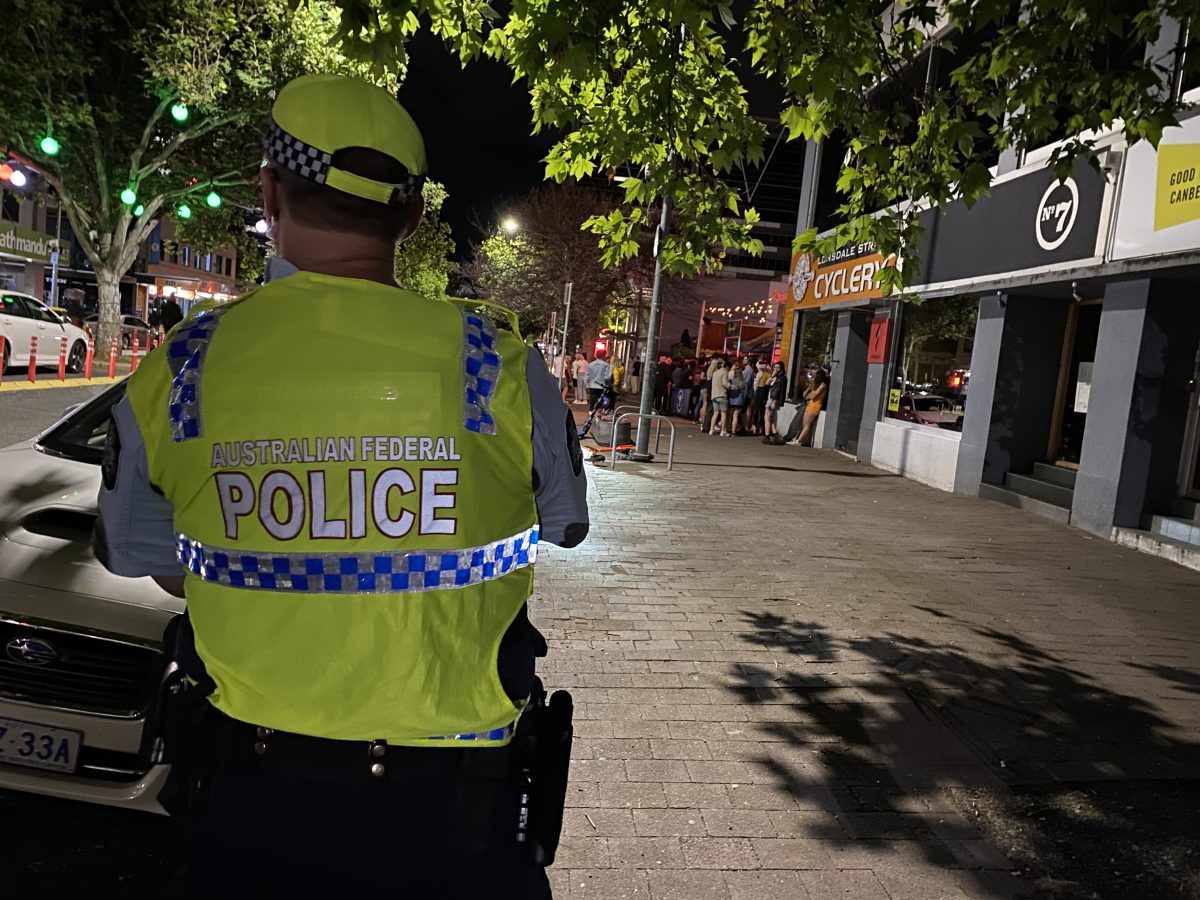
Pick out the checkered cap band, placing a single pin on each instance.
(296, 156)
(482, 362)
(308, 162)
(185, 356)
(359, 573)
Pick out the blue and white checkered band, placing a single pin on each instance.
(359, 573)
(496, 734)
(185, 355)
(296, 156)
(482, 360)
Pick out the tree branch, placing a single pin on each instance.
(182, 138)
(147, 133)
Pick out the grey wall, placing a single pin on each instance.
(843, 412)
(1014, 380)
(874, 393)
(1138, 408)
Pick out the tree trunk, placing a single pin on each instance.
(109, 326)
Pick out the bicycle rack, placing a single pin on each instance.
(657, 433)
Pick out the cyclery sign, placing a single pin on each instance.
(847, 275)
(1028, 222)
(32, 245)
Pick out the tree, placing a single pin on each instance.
(528, 270)
(652, 89)
(424, 262)
(154, 108)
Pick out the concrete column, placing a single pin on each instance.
(844, 408)
(809, 173)
(1014, 382)
(874, 385)
(1137, 411)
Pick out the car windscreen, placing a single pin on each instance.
(82, 433)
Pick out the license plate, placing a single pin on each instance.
(38, 747)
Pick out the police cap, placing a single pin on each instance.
(315, 116)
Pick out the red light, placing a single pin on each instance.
(955, 380)
(6, 172)
(600, 347)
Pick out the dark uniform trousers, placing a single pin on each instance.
(268, 815)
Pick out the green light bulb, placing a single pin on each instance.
(213, 199)
(138, 210)
(179, 112)
(183, 211)
(128, 197)
(50, 146)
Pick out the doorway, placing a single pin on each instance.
(1189, 468)
(1065, 446)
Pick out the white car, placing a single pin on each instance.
(81, 659)
(23, 317)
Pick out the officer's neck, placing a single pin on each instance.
(331, 253)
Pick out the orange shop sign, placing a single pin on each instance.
(844, 276)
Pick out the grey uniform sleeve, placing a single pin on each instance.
(561, 485)
(135, 531)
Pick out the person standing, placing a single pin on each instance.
(761, 377)
(735, 386)
(597, 376)
(618, 375)
(579, 369)
(720, 398)
(815, 397)
(709, 372)
(776, 394)
(355, 545)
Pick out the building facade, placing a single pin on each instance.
(1076, 394)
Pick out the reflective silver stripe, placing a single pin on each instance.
(185, 355)
(359, 573)
(496, 734)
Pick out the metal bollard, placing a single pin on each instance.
(62, 358)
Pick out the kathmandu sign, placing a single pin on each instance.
(845, 276)
(31, 245)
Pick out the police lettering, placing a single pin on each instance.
(394, 504)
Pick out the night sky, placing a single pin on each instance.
(476, 125)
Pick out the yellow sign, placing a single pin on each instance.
(894, 400)
(1177, 191)
(847, 275)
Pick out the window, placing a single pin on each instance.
(187, 255)
(12, 306)
(229, 265)
(220, 264)
(932, 362)
(208, 262)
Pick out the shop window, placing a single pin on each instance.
(813, 350)
(11, 206)
(931, 362)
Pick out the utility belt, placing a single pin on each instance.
(198, 740)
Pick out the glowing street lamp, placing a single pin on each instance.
(261, 226)
(510, 225)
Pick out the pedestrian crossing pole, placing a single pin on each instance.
(642, 445)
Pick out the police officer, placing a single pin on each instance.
(349, 483)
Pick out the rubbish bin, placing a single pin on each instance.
(602, 432)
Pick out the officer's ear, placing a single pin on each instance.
(413, 212)
(269, 178)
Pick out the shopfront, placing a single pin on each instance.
(23, 253)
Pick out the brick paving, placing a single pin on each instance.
(784, 662)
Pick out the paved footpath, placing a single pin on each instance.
(789, 667)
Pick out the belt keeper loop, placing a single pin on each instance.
(376, 751)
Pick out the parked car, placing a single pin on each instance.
(929, 409)
(130, 326)
(23, 317)
(81, 650)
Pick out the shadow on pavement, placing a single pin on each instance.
(1089, 792)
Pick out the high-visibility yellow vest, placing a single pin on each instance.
(350, 467)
